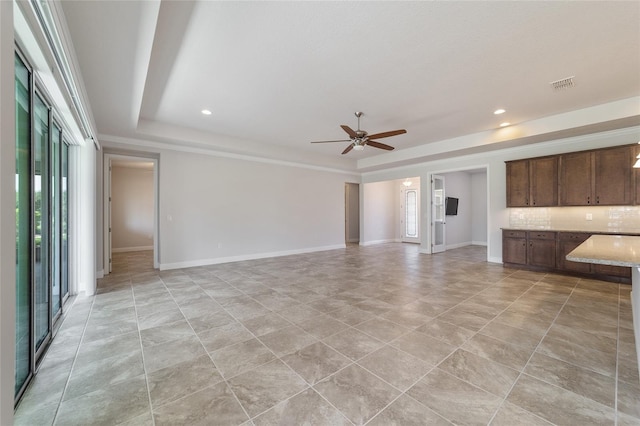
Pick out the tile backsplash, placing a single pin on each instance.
(615, 219)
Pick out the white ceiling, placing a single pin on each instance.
(278, 75)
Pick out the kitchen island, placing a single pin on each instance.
(615, 250)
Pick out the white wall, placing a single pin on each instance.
(379, 218)
(7, 213)
(496, 172)
(217, 209)
(458, 227)
(131, 208)
(479, 208)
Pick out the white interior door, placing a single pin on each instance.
(438, 223)
(410, 209)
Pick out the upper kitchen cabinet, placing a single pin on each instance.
(613, 183)
(532, 182)
(576, 177)
(602, 177)
(636, 173)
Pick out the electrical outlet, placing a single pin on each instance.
(589, 216)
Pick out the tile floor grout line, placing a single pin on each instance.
(75, 359)
(615, 394)
(144, 364)
(209, 355)
(277, 358)
(521, 372)
(253, 273)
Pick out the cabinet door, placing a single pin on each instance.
(636, 173)
(611, 270)
(518, 183)
(613, 169)
(567, 242)
(542, 253)
(544, 182)
(576, 179)
(514, 250)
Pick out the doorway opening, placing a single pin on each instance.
(459, 209)
(351, 213)
(130, 206)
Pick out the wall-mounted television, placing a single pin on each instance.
(451, 206)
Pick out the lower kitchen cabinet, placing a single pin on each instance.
(532, 248)
(547, 251)
(567, 242)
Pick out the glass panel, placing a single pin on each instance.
(438, 212)
(56, 300)
(65, 219)
(411, 213)
(41, 219)
(23, 234)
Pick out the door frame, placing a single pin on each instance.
(106, 193)
(438, 248)
(426, 204)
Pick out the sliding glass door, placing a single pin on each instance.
(41, 220)
(56, 229)
(23, 225)
(42, 261)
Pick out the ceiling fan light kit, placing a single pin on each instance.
(360, 138)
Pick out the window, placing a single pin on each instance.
(411, 213)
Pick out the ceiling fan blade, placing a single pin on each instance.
(350, 131)
(349, 148)
(341, 140)
(379, 145)
(387, 134)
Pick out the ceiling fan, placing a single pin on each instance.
(359, 138)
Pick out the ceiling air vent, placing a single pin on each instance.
(564, 83)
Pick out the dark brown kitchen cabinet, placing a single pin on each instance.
(576, 176)
(532, 182)
(541, 250)
(514, 247)
(532, 248)
(611, 270)
(547, 251)
(613, 172)
(636, 173)
(567, 242)
(601, 177)
(518, 183)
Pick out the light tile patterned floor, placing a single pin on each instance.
(379, 335)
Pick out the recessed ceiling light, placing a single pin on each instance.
(499, 111)
(505, 124)
(206, 112)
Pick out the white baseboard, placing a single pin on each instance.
(455, 246)
(374, 242)
(494, 259)
(100, 274)
(479, 243)
(354, 240)
(128, 249)
(230, 259)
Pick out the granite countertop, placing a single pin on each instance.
(617, 250)
(572, 230)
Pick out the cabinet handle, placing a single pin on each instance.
(589, 200)
(598, 199)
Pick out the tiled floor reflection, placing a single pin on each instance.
(378, 335)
